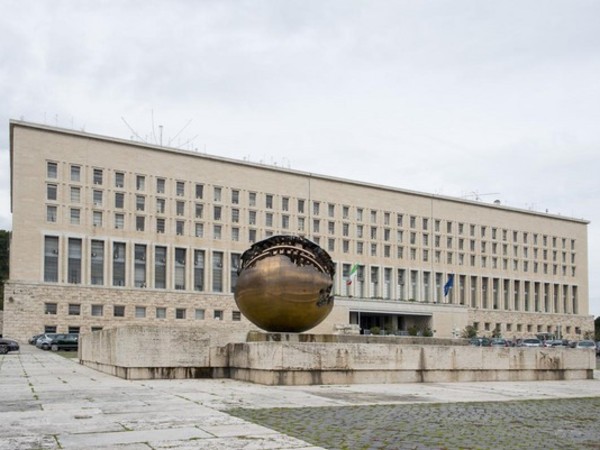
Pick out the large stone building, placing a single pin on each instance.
(109, 231)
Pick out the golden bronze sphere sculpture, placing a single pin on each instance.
(284, 284)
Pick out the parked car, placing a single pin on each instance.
(531, 342)
(33, 339)
(8, 345)
(598, 348)
(499, 342)
(43, 341)
(480, 342)
(586, 344)
(560, 343)
(64, 342)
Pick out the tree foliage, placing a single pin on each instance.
(4, 257)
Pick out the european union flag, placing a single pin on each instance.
(449, 284)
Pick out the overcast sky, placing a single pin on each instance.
(496, 100)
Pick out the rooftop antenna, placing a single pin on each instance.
(135, 133)
(477, 196)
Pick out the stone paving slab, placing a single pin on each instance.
(50, 402)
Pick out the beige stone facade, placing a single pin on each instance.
(108, 231)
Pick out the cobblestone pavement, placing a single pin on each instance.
(530, 424)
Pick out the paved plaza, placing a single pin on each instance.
(51, 402)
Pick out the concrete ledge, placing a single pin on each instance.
(297, 359)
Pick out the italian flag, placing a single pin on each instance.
(351, 274)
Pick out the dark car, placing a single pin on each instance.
(8, 345)
(499, 342)
(480, 342)
(64, 342)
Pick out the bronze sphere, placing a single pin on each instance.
(284, 284)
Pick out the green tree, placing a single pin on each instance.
(4, 253)
(597, 328)
(469, 332)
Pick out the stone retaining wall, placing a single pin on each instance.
(142, 352)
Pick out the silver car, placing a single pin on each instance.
(44, 340)
(531, 342)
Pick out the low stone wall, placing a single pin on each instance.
(142, 352)
(298, 363)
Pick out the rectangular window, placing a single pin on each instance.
(199, 314)
(269, 201)
(50, 308)
(97, 197)
(236, 316)
(97, 218)
(217, 194)
(139, 277)
(140, 203)
(218, 314)
(52, 170)
(180, 256)
(179, 227)
(160, 205)
(180, 313)
(217, 213)
(316, 208)
(180, 188)
(198, 270)
(119, 200)
(74, 309)
(301, 206)
(51, 213)
(160, 185)
(140, 182)
(119, 180)
(140, 312)
(118, 264)
(75, 194)
(119, 221)
(97, 310)
(118, 311)
(217, 272)
(98, 174)
(51, 259)
(161, 313)
(217, 232)
(76, 173)
(235, 215)
(51, 192)
(140, 223)
(235, 234)
(160, 225)
(160, 267)
(74, 262)
(97, 263)
(180, 208)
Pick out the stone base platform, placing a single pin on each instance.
(135, 352)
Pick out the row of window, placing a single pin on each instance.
(179, 268)
(449, 227)
(139, 312)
